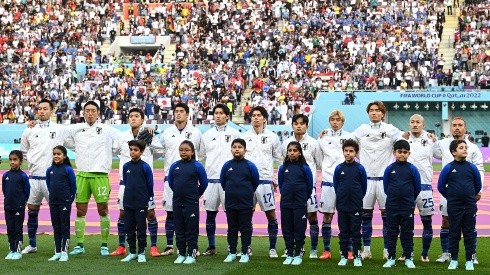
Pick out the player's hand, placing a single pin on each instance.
(322, 133)
(146, 135)
(478, 196)
(406, 135)
(32, 123)
(433, 137)
(274, 185)
(150, 130)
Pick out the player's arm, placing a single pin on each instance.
(417, 183)
(69, 141)
(395, 134)
(442, 181)
(201, 154)
(24, 143)
(477, 160)
(156, 148)
(437, 150)
(203, 178)
(73, 182)
(116, 140)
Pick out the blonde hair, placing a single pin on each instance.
(337, 113)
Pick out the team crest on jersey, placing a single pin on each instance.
(305, 146)
(52, 135)
(263, 140)
(98, 130)
(424, 142)
(227, 138)
(383, 134)
(188, 135)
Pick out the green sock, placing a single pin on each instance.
(105, 225)
(80, 229)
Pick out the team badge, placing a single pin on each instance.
(52, 135)
(342, 140)
(98, 130)
(227, 138)
(424, 142)
(263, 140)
(304, 146)
(383, 134)
(188, 135)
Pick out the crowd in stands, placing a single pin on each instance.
(284, 51)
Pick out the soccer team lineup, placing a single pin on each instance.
(340, 181)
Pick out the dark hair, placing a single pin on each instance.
(454, 145)
(91, 102)
(183, 105)
(188, 142)
(63, 150)
(45, 100)
(350, 143)
(137, 110)
(305, 118)
(17, 153)
(301, 160)
(262, 111)
(223, 107)
(240, 141)
(459, 118)
(137, 143)
(401, 144)
(380, 105)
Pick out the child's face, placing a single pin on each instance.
(349, 153)
(14, 162)
(185, 152)
(58, 156)
(293, 153)
(237, 150)
(461, 151)
(401, 155)
(135, 152)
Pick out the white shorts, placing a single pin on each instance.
(327, 199)
(264, 195)
(39, 190)
(168, 196)
(213, 196)
(120, 199)
(312, 202)
(375, 192)
(425, 201)
(443, 206)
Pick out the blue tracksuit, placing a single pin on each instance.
(239, 179)
(62, 187)
(138, 181)
(15, 188)
(350, 184)
(460, 182)
(401, 182)
(296, 184)
(188, 181)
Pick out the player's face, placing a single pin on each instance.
(401, 155)
(58, 156)
(461, 151)
(375, 114)
(90, 113)
(44, 111)
(220, 118)
(257, 119)
(349, 154)
(293, 153)
(14, 162)
(237, 150)
(336, 123)
(416, 124)
(185, 151)
(135, 152)
(180, 115)
(135, 120)
(299, 127)
(458, 128)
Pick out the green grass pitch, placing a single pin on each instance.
(260, 263)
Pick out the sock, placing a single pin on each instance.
(314, 234)
(367, 229)
(153, 229)
(444, 239)
(80, 230)
(169, 229)
(32, 224)
(211, 228)
(272, 229)
(349, 247)
(105, 225)
(65, 245)
(121, 233)
(327, 235)
(385, 229)
(426, 234)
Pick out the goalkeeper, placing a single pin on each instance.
(137, 132)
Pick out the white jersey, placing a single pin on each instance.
(154, 151)
(215, 148)
(94, 146)
(376, 146)
(37, 145)
(311, 151)
(262, 149)
(331, 145)
(421, 153)
(171, 138)
(442, 152)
